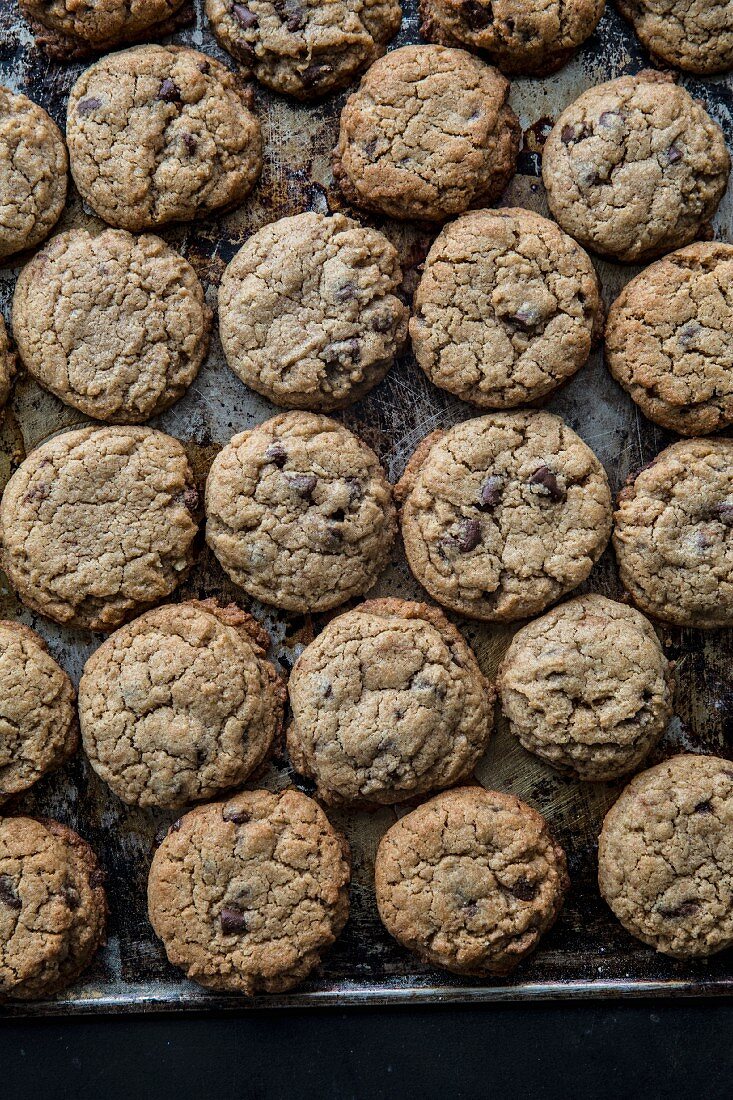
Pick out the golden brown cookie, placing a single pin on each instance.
(695, 36)
(67, 29)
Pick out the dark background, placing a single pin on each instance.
(642, 1049)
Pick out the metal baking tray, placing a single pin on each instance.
(587, 954)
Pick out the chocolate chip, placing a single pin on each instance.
(570, 133)
(295, 21)
(302, 484)
(523, 890)
(276, 454)
(244, 16)
(469, 535)
(370, 149)
(491, 492)
(688, 332)
(477, 16)
(686, 909)
(86, 106)
(382, 322)
(527, 315)
(233, 921)
(237, 817)
(169, 91)
(204, 67)
(345, 293)
(310, 76)
(673, 154)
(609, 118)
(190, 142)
(470, 908)
(705, 807)
(546, 483)
(356, 489)
(725, 512)
(8, 893)
(71, 897)
(328, 691)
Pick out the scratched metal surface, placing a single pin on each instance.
(587, 953)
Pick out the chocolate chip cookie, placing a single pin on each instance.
(507, 309)
(673, 534)
(247, 894)
(7, 365)
(470, 881)
(159, 134)
(115, 325)
(669, 339)
(534, 38)
(587, 687)
(67, 30)
(388, 702)
(504, 514)
(53, 909)
(299, 513)
(301, 47)
(38, 724)
(697, 37)
(665, 856)
(635, 167)
(34, 170)
(98, 524)
(308, 312)
(428, 134)
(180, 704)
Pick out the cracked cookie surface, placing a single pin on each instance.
(301, 47)
(427, 134)
(114, 325)
(299, 513)
(97, 524)
(669, 339)
(180, 704)
(518, 37)
(587, 687)
(7, 365)
(53, 909)
(159, 134)
(635, 167)
(695, 35)
(665, 856)
(388, 702)
(67, 29)
(38, 724)
(308, 313)
(507, 308)
(504, 514)
(33, 173)
(470, 881)
(673, 534)
(247, 894)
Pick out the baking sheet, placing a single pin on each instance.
(587, 954)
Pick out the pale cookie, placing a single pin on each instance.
(665, 856)
(69, 29)
(673, 534)
(39, 729)
(504, 514)
(669, 339)
(159, 134)
(247, 894)
(388, 702)
(534, 37)
(98, 524)
(180, 704)
(7, 365)
(302, 47)
(299, 513)
(470, 881)
(53, 910)
(587, 687)
(34, 170)
(308, 312)
(507, 309)
(116, 326)
(635, 167)
(428, 134)
(695, 35)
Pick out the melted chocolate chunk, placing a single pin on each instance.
(705, 807)
(478, 16)
(244, 16)
(237, 817)
(685, 909)
(302, 484)
(190, 142)
(85, 106)
(491, 492)
(469, 535)
(276, 454)
(169, 92)
(546, 483)
(523, 890)
(314, 73)
(233, 921)
(8, 894)
(725, 512)
(673, 154)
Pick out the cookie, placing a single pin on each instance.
(470, 881)
(673, 534)
(308, 312)
(504, 514)
(7, 365)
(299, 513)
(98, 524)
(669, 339)
(159, 134)
(247, 894)
(116, 326)
(38, 724)
(34, 170)
(665, 856)
(534, 38)
(587, 688)
(694, 37)
(428, 134)
(388, 702)
(180, 704)
(53, 910)
(303, 48)
(635, 167)
(67, 30)
(507, 309)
